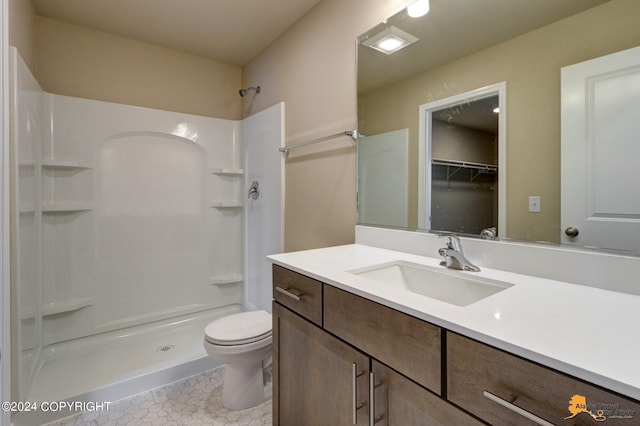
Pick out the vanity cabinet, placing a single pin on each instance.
(317, 379)
(407, 344)
(341, 359)
(362, 363)
(504, 389)
(298, 293)
(399, 401)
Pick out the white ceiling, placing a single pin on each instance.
(229, 31)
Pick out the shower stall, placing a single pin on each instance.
(131, 230)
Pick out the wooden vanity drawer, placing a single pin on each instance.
(473, 369)
(404, 343)
(298, 293)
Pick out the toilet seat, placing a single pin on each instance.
(239, 329)
(243, 343)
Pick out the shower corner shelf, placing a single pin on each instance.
(226, 204)
(66, 164)
(66, 207)
(27, 313)
(226, 171)
(27, 209)
(226, 279)
(55, 308)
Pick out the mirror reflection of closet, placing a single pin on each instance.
(464, 167)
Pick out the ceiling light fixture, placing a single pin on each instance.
(390, 40)
(418, 8)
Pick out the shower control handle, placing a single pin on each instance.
(254, 190)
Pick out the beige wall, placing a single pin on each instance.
(77, 61)
(22, 30)
(312, 68)
(530, 64)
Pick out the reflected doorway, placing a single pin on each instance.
(462, 148)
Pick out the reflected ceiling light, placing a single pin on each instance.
(496, 110)
(390, 40)
(418, 8)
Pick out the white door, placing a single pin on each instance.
(601, 152)
(383, 197)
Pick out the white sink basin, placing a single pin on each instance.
(455, 287)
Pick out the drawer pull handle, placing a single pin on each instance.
(373, 385)
(356, 406)
(372, 398)
(516, 409)
(288, 293)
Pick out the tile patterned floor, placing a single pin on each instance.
(193, 401)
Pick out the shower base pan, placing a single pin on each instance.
(118, 364)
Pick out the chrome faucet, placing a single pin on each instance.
(489, 233)
(453, 255)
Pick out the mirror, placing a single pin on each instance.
(461, 184)
(466, 46)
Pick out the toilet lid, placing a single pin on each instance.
(238, 329)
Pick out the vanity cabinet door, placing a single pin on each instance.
(407, 344)
(401, 402)
(299, 293)
(499, 387)
(315, 375)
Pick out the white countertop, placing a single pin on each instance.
(589, 333)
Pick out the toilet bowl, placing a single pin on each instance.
(243, 343)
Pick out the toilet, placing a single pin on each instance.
(243, 343)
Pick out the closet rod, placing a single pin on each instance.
(353, 134)
(464, 164)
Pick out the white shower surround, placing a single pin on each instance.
(262, 135)
(128, 215)
(132, 235)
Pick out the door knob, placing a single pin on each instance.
(571, 232)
